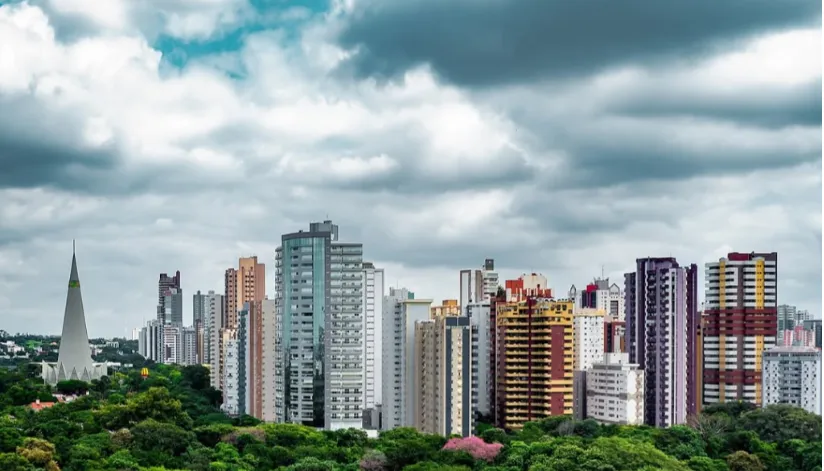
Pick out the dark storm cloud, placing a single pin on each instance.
(41, 147)
(489, 42)
(605, 162)
(792, 106)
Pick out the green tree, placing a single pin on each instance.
(72, 386)
(743, 461)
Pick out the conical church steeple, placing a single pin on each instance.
(74, 359)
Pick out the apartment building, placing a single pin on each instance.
(319, 329)
(588, 344)
(740, 320)
(792, 375)
(401, 312)
(483, 355)
(443, 372)
(373, 282)
(535, 358)
(615, 391)
(662, 324)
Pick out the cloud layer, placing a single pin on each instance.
(437, 138)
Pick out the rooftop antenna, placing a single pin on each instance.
(72, 246)
(602, 272)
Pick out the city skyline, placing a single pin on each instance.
(165, 139)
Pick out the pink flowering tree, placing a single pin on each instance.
(475, 446)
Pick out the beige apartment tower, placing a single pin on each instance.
(443, 369)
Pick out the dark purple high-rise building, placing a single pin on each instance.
(661, 315)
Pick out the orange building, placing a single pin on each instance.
(534, 362)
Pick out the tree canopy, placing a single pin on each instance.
(171, 421)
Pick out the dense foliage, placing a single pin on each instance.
(31, 348)
(171, 421)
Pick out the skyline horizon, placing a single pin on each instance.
(560, 295)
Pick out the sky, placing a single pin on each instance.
(566, 138)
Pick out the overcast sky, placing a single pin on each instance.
(554, 136)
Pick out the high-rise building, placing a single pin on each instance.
(269, 358)
(400, 313)
(246, 284)
(319, 343)
(741, 319)
(535, 360)
(250, 332)
(482, 356)
(496, 403)
(74, 358)
(198, 307)
(230, 299)
(527, 286)
(150, 343)
(232, 375)
(662, 324)
(588, 345)
(443, 372)
(199, 325)
(615, 391)
(792, 375)
(478, 285)
(786, 317)
(164, 284)
(789, 318)
(213, 348)
(173, 306)
(373, 279)
(600, 294)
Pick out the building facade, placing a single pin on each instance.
(479, 285)
(662, 324)
(740, 320)
(268, 360)
(588, 344)
(615, 391)
(483, 356)
(792, 375)
(212, 348)
(320, 329)
(164, 284)
(443, 369)
(373, 281)
(198, 307)
(535, 360)
(615, 337)
(401, 312)
(232, 380)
